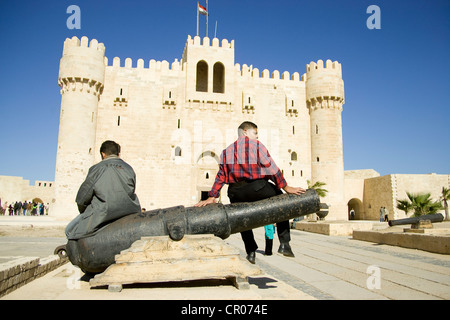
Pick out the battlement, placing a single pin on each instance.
(334, 67)
(196, 41)
(74, 42)
(162, 66)
(250, 72)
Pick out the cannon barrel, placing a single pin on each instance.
(97, 251)
(432, 217)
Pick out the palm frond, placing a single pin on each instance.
(321, 192)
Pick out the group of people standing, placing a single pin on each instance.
(26, 208)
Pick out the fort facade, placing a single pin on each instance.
(173, 120)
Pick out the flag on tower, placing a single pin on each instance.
(202, 10)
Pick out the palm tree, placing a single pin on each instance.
(421, 204)
(321, 192)
(318, 187)
(404, 205)
(445, 196)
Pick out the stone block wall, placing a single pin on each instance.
(18, 272)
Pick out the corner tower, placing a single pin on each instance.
(324, 99)
(81, 78)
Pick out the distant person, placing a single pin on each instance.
(29, 207)
(24, 207)
(5, 207)
(107, 194)
(41, 209)
(34, 209)
(352, 214)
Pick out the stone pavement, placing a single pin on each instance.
(325, 268)
(332, 267)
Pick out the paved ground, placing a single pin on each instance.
(328, 267)
(325, 268)
(14, 247)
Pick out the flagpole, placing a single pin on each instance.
(197, 18)
(215, 30)
(207, 14)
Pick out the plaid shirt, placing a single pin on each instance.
(246, 159)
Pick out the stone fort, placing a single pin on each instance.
(172, 121)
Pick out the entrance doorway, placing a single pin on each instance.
(357, 206)
(204, 195)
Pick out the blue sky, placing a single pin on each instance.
(397, 110)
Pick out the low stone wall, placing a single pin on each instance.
(18, 272)
(426, 242)
(334, 228)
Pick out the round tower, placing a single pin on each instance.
(81, 78)
(324, 99)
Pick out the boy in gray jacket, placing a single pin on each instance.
(108, 193)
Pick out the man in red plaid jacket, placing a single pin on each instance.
(246, 166)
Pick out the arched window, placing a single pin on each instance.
(177, 152)
(202, 76)
(219, 78)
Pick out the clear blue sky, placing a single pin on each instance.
(397, 79)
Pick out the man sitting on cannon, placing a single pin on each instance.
(247, 166)
(108, 193)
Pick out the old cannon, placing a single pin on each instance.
(415, 220)
(96, 252)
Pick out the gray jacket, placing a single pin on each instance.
(106, 195)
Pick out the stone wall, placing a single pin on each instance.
(386, 190)
(18, 272)
(18, 189)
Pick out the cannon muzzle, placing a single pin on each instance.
(97, 251)
(431, 217)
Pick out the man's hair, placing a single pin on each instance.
(110, 147)
(245, 126)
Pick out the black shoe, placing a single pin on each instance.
(251, 257)
(269, 245)
(285, 250)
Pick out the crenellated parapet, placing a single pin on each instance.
(250, 72)
(82, 66)
(74, 43)
(206, 42)
(153, 65)
(324, 85)
(330, 67)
